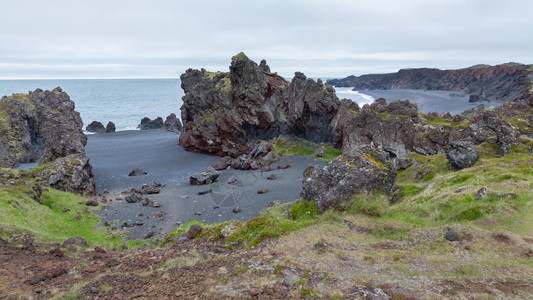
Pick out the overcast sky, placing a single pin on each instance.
(162, 38)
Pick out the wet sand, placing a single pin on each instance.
(113, 156)
(431, 101)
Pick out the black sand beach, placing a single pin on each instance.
(113, 156)
(431, 101)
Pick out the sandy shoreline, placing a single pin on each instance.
(113, 156)
(430, 101)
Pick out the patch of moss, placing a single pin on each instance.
(283, 146)
(303, 210)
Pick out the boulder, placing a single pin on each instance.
(222, 164)
(359, 171)
(207, 176)
(72, 173)
(194, 230)
(147, 123)
(462, 154)
(172, 123)
(110, 127)
(95, 126)
(153, 188)
(137, 172)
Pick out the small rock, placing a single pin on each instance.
(263, 190)
(222, 164)
(207, 176)
(321, 152)
(56, 251)
(194, 231)
(236, 209)
(94, 290)
(137, 172)
(99, 249)
(321, 245)
(481, 193)
(452, 236)
(55, 271)
(272, 176)
(79, 241)
(203, 192)
(133, 198)
(149, 235)
(350, 224)
(232, 180)
(283, 167)
(255, 291)
(91, 203)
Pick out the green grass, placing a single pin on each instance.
(47, 222)
(283, 146)
(271, 223)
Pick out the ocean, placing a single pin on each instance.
(125, 101)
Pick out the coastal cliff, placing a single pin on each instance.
(223, 112)
(507, 82)
(43, 126)
(227, 113)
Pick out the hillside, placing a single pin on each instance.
(508, 82)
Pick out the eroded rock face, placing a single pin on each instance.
(43, 126)
(59, 125)
(360, 170)
(222, 112)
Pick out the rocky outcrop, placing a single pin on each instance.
(172, 123)
(147, 123)
(95, 126)
(60, 126)
(72, 173)
(223, 112)
(359, 171)
(43, 126)
(110, 127)
(508, 82)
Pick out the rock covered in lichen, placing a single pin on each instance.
(223, 112)
(359, 171)
(59, 125)
(462, 154)
(43, 126)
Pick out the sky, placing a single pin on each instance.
(163, 38)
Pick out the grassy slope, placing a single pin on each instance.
(401, 247)
(60, 216)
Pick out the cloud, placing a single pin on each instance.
(159, 38)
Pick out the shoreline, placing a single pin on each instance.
(113, 156)
(431, 101)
